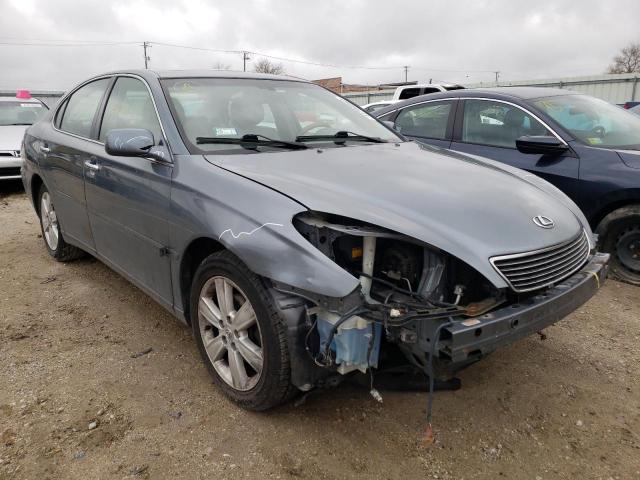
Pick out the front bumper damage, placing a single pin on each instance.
(466, 340)
(471, 339)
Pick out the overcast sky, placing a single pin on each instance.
(459, 41)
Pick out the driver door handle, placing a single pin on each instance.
(92, 165)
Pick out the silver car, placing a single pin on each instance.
(16, 115)
(301, 239)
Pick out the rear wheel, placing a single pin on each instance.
(620, 236)
(51, 233)
(240, 333)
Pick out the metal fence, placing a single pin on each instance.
(620, 88)
(362, 98)
(617, 89)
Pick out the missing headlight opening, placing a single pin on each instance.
(407, 291)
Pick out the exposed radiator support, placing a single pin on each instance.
(368, 257)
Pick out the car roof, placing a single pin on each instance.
(523, 93)
(500, 93)
(160, 74)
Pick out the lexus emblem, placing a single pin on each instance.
(543, 222)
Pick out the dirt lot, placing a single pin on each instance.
(76, 402)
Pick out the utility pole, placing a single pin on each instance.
(406, 73)
(497, 72)
(146, 45)
(245, 57)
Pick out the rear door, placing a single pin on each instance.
(490, 128)
(428, 122)
(128, 197)
(64, 151)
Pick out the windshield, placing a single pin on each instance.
(211, 111)
(594, 122)
(20, 113)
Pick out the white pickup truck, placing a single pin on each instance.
(410, 91)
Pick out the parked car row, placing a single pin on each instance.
(16, 114)
(302, 239)
(586, 147)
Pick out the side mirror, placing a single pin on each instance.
(134, 142)
(541, 145)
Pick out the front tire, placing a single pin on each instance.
(51, 233)
(620, 236)
(240, 334)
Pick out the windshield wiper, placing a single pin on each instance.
(252, 141)
(340, 137)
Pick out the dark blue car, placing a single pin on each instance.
(586, 147)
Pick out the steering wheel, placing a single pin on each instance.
(599, 131)
(313, 126)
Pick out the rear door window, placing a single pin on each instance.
(427, 120)
(81, 108)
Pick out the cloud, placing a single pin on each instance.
(441, 40)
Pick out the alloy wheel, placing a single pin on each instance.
(230, 333)
(49, 221)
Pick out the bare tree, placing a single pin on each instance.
(221, 66)
(266, 66)
(627, 61)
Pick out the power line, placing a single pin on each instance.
(244, 53)
(78, 44)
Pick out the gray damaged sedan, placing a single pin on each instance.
(301, 239)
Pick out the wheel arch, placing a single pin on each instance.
(623, 199)
(34, 190)
(197, 250)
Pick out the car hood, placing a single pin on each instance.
(469, 209)
(11, 136)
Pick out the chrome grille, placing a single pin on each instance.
(533, 270)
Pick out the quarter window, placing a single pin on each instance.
(130, 106)
(81, 108)
(428, 120)
(497, 124)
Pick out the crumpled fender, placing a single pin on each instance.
(253, 222)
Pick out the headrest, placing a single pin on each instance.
(244, 112)
(514, 118)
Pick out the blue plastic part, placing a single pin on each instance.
(352, 346)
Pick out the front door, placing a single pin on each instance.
(128, 197)
(490, 128)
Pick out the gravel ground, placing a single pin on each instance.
(80, 400)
